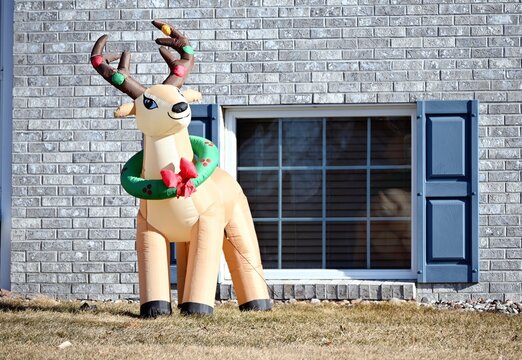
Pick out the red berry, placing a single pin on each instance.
(96, 60)
(179, 70)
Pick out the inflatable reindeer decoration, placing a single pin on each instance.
(186, 198)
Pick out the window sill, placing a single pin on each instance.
(337, 275)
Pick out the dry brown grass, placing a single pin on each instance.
(34, 329)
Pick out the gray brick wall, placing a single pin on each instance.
(73, 225)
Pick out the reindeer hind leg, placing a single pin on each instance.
(182, 249)
(244, 261)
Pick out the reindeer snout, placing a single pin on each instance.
(180, 107)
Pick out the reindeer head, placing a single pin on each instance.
(161, 109)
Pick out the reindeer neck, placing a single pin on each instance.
(165, 153)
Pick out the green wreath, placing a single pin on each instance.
(207, 156)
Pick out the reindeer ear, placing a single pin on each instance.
(192, 96)
(125, 110)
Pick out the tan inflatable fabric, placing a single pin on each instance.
(202, 219)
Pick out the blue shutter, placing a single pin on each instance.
(204, 123)
(447, 191)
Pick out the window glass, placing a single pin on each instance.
(391, 194)
(257, 143)
(302, 193)
(302, 245)
(261, 189)
(267, 232)
(302, 142)
(346, 245)
(346, 141)
(329, 193)
(391, 141)
(390, 244)
(346, 193)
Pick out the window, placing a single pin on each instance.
(329, 189)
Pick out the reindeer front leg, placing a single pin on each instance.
(153, 269)
(203, 263)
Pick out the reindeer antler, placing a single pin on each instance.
(119, 78)
(179, 68)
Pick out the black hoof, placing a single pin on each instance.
(256, 305)
(191, 308)
(154, 309)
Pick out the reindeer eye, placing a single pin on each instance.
(149, 103)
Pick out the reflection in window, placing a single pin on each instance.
(302, 245)
(261, 188)
(345, 193)
(302, 193)
(302, 142)
(329, 193)
(346, 141)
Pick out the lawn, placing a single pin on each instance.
(34, 329)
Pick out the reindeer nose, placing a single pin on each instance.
(180, 107)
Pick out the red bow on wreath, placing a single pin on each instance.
(181, 180)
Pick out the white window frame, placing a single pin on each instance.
(228, 161)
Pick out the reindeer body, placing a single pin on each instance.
(215, 217)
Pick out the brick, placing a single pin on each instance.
(513, 276)
(25, 267)
(409, 291)
(120, 267)
(264, 99)
(129, 278)
(296, 99)
(364, 291)
(320, 291)
(104, 278)
(224, 291)
(129, 256)
(42, 278)
(492, 254)
(506, 265)
(56, 267)
(72, 278)
(288, 291)
(278, 292)
(514, 254)
(262, 34)
(454, 297)
(86, 288)
(104, 255)
(328, 98)
(56, 289)
(386, 291)
(331, 291)
(342, 292)
(505, 287)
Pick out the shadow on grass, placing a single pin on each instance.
(72, 308)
